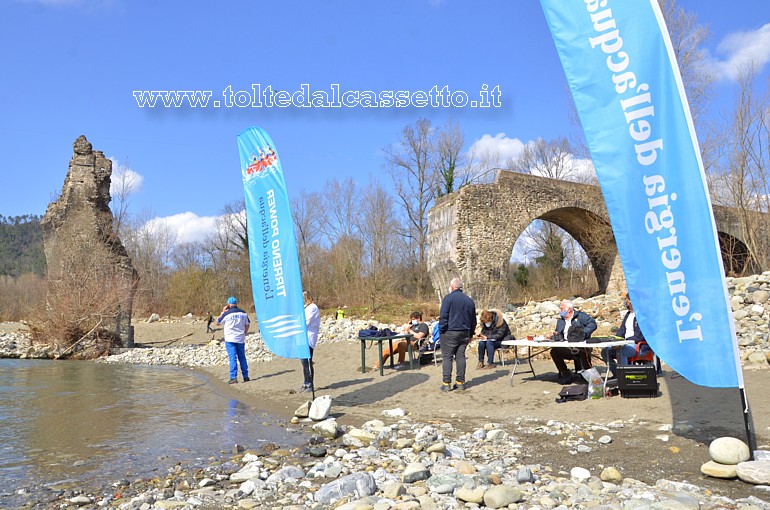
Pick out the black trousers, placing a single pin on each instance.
(307, 369)
(561, 355)
(453, 345)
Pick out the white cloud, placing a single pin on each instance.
(187, 227)
(739, 50)
(124, 180)
(498, 148)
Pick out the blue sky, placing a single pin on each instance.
(70, 67)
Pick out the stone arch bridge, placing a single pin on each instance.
(471, 233)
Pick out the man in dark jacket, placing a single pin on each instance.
(570, 318)
(457, 322)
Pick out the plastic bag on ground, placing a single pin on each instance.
(594, 380)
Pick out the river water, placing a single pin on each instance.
(77, 422)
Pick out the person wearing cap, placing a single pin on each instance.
(236, 325)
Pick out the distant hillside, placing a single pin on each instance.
(21, 245)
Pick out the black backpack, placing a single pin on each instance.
(575, 334)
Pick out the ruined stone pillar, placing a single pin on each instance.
(89, 270)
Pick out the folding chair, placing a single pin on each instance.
(436, 346)
(643, 359)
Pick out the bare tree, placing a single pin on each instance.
(687, 38)
(742, 179)
(451, 166)
(228, 250)
(309, 216)
(86, 292)
(412, 165)
(379, 231)
(123, 184)
(340, 203)
(547, 158)
(150, 244)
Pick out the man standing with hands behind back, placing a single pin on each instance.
(457, 323)
(236, 325)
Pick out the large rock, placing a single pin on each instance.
(755, 471)
(288, 472)
(248, 472)
(468, 495)
(357, 484)
(320, 408)
(717, 470)
(580, 474)
(361, 435)
(414, 472)
(611, 474)
(327, 428)
(728, 450)
(500, 496)
(303, 411)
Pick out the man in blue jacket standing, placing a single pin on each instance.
(236, 324)
(457, 323)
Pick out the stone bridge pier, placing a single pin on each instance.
(471, 233)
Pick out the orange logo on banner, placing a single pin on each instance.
(261, 162)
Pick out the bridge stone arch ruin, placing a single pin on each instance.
(472, 232)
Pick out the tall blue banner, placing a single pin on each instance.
(275, 276)
(626, 85)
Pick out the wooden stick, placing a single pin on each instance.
(81, 339)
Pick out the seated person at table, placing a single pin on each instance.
(493, 330)
(628, 330)
(571, 318)
(419, 331)
(430, 342)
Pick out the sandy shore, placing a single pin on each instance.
(668, 436)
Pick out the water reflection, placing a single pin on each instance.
(77, 420)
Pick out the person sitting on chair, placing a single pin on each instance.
(494, 329)
(419, 331)
(628, 330)
(571, 318)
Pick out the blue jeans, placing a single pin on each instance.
(489, 347)
(237, 354)
(622, 353)
(307, 370)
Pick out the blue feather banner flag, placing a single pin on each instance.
(275, 275)
(628, 91)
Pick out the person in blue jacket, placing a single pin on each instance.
(457, 323)
(236, 325)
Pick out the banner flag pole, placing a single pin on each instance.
(621, 69)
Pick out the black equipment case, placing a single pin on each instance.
(637, 381)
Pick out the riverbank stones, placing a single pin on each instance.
(728, 450)
(717, 470)
(754, 471)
